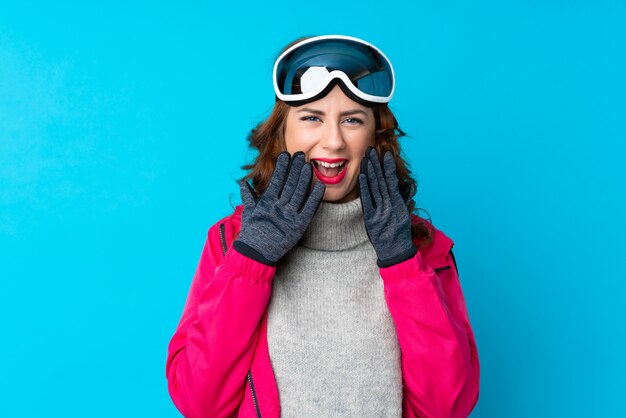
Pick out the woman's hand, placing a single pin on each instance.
(273, 224)
(387, 218)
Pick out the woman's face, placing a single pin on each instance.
(332, 131)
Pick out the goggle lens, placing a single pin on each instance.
(304, 69)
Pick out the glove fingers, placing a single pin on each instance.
(374, 184)
(314, 200)
(378, 171)
(248, 196)
(407, 190)
(366, 197)
(295, 166)
(278, 176)
(304, 183)
(366, 189)
(392, 178)
(364, 161)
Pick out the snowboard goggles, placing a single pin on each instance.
(309, 69)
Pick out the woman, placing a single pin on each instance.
(323, 295)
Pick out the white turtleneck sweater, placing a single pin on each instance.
(332, 341)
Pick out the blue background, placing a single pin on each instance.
(122, 132)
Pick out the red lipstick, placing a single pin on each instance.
(329, 160)
(331, 180)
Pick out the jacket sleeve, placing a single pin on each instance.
(439, 357)
(211, 351)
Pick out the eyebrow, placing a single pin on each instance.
(320, 113)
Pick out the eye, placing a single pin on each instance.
(354, 121)
(309, 118)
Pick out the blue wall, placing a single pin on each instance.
(122, 131)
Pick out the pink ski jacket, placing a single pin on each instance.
(218, 362)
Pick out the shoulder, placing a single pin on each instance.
(438, 246)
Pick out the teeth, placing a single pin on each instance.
(329, 165)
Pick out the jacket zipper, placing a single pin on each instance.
(256, 405)
(222, 239)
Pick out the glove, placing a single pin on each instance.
(407, 190)
(272, 224)
(386, 215)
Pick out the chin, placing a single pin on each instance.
(337, 197)
(332, 196)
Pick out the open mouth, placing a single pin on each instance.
(330, 171)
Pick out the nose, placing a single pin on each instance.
(332, 138)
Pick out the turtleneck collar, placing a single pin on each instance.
(335, 227)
